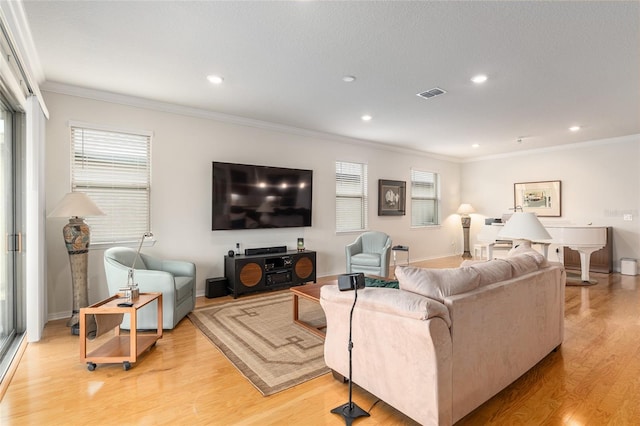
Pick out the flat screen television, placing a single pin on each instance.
(250, 197)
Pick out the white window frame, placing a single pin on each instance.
(351, 185)
(420, 178)
(113, 167)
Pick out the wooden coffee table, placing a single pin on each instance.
(310, 292)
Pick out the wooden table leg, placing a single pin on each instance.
(295, 308)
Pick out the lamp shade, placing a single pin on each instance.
(524, 226)
(466, 209)
(76, 204)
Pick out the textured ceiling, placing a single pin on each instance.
(550, 65)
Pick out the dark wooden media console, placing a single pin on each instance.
(251, 273)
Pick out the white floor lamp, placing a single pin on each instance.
(76, 206)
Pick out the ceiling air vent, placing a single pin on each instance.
(432, 93)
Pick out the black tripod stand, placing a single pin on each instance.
(350, 411)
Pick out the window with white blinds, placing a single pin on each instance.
(114, 169)
(351, 196)
(425, 197)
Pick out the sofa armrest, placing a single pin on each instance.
(390, 301)
(385, 256)
(354, 248)
(179, 268)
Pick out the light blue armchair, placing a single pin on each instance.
(175, 279)
(369, 254)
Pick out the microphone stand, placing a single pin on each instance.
(350, 411)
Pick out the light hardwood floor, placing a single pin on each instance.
(594, 379)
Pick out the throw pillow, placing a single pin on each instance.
(437, 284)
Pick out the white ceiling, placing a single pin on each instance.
(550, 65)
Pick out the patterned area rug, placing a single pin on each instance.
(259, 337)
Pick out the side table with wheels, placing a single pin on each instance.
(120, 348)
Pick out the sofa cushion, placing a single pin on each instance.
(524, 260)
(184, 288)
(522, 264)
(366, 259)
(492, 271)
(538, 257)
(437, 283)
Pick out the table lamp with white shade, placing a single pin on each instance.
(523, 228)
(76, 206)
(464, 211)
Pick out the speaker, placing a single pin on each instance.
(265, 250)
(249, 274)
(304, 267)
(244, 274)
(216, 287)
(351, 281)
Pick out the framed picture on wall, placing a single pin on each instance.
(543, 198)
(391, 197)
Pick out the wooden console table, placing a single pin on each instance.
(121, 348)
(251, 273)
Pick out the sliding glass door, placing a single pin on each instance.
(10, 238)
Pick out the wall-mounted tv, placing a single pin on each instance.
(250, 197)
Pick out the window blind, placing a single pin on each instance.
(351, 196)
(424, 198)
(114, 169)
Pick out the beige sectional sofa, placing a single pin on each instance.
(449, 339)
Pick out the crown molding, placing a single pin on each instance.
(16, 25)
(564, 147)
(133, 101)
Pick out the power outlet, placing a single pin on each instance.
(628, 217)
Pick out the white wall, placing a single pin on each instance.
(36, 300)
(183, 148)
(600, 183)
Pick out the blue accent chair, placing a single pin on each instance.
(175, 279)
(369, 254)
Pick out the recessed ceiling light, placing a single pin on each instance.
(475, 145)
(349, 78)
(574, 128)
(215, 79)
(480, 78)
(366, 118)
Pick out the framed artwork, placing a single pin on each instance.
(391, 197)
(542, 198)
